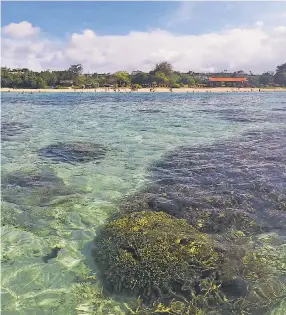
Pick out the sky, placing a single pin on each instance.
(113, 36)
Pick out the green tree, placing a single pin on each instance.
(111, 79)
(266, 79)
(50, 78)
(75, 69)
(141, 78)
(253, 80)
(122, 78)
(173, 78)
(40, 83)
(163, 67)
(281, 68)
(280, 75)
(160, 78)
(74, 72)
(186, 79)
(163, 74)
(17, 83)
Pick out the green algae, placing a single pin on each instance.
(167, 262)
(153, 254)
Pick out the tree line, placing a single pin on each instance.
(162, 75)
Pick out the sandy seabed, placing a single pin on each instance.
(146, 90)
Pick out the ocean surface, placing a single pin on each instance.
(54, 199)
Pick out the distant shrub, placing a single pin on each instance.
(176, 86)
(61, 87)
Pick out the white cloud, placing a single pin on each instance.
(20, 30)
(255, 48)
(280, 29)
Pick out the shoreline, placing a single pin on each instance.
(145, 90)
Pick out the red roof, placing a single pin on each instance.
(227, 79)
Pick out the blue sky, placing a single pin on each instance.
(112, 36)
(118, 18)
(105, 18)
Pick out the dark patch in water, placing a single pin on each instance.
(238, 115)
(239, 119)
(74, 152)
(11, 129)
(279, 109)
(150, 111)
(227, 185)
(209, 111)
(236, 287)
(32, 187)
(53, 254)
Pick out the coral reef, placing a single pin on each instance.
(152, 254)
(165, 261)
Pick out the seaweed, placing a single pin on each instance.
(87, 298)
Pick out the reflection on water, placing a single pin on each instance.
(205, 154)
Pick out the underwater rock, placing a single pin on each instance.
(153, 255)
(32, 187)
(74, 152)
(11, 129)
(53, 254)
(235, 287)
(238, 184)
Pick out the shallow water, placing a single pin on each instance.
(44, 239)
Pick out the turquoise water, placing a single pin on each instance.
(137, 130)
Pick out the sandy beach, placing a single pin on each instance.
(146, 90)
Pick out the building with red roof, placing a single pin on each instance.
(234, 82)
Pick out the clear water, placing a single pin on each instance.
(138, 130)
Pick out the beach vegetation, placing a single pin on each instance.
(266, 79)
(162, 75)
(280, 75)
